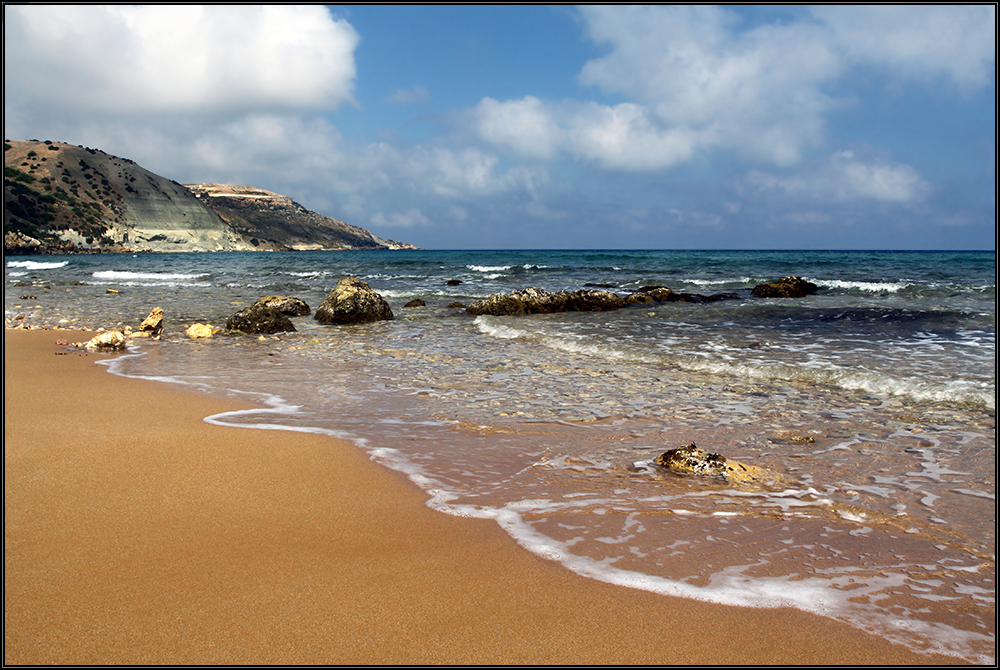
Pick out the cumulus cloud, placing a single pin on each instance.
(697, 79)
(957, 42)
(127, 59)
(843, 178)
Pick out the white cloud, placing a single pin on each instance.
(126, 59)
(697, 80)
(843, 178)
(923, 41)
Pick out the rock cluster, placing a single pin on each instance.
(537, 301)
(352, 301)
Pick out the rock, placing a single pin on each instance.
(112, 339)
(112, 290)
(591, 300)
(537, 301)
(786, 287)
(690, 460)
(456, 305)
(352, 301)
(453, 282)
(416, 302)
(153, 324)
(199, 331)
(286, 305)
(259, 318)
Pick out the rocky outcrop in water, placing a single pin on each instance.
(537, 301)
(352, 301)
(258, 318)
(786, 287)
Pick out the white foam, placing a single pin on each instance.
(37, 265)
(144, 278)
(870, 287)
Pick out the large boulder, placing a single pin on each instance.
(786, 287)
(353, 301)
(259, 318)
(286, 305)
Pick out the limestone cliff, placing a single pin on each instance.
(60, 198)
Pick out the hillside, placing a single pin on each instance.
(60, 198)
(272, 221)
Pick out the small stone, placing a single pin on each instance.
(200, 331)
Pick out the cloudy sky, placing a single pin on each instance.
(833, 127)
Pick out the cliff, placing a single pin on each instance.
(60, 198)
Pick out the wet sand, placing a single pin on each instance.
(136, 533)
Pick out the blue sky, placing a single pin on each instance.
(824, 127)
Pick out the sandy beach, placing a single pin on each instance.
(136, 533)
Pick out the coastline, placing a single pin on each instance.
(137, 533)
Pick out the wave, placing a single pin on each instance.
(145, 277)
(869, 287)
(37, 265)
(879, 382)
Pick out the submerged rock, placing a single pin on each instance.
(259, 318)
(353, 301)
(416, 302)
(286, 305)
(786, 287)
(691, 460)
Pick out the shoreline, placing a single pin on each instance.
(135, 532)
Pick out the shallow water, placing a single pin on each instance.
(871, 405)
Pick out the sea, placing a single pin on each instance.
(870, 405)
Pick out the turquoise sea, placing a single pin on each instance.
(872, 404)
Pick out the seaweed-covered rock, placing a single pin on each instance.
(286, 305)
(259, 318)
(786, 287)
(352, 301)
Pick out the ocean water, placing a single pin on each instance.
(871, 405)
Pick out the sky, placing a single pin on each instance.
(543, 127)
